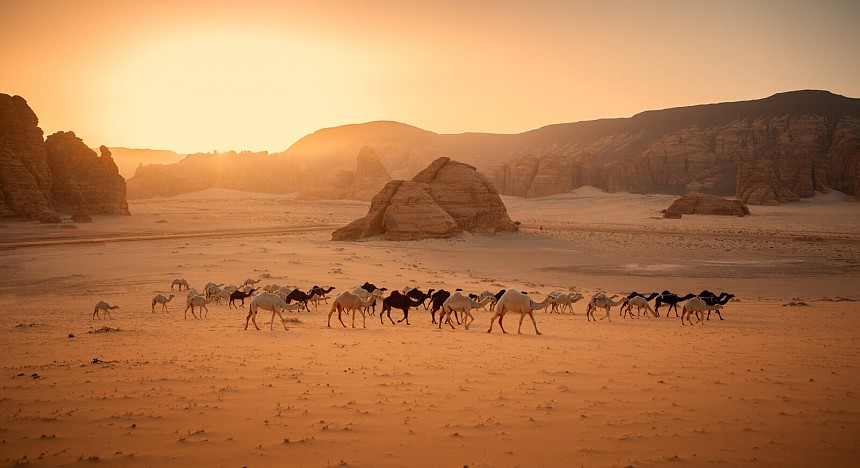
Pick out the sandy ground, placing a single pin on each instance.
(771, 385)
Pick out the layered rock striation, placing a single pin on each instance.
(40, 177)
(445, 198)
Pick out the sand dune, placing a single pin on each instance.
(771, 385)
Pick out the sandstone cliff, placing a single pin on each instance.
(445, 198)
(84, 179)
(61, 173)
(25, 178)
(363, 183)
(774, 150)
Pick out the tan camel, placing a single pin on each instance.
(197, 301)
(463, 304)
(697, 306)
(179, 282)
(517, 302)
(350, 302)
(161, 299)
(602, 301)
(249, 282)
(273, 303)
(566, 301)
(639, 303)
(102, 305)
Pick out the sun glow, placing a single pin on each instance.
(240, 87)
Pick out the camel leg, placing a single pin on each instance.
(283, 320)
(96, 313)
(532, 316)
(204, 308)
(363, 319)
(250, 312)
(718, 314)
(493, 319)
(468, 315)
(502, 318)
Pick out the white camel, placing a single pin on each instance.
(102, 305)
(179, 282)
(197, 301)
(639, 303)
(602, 301)
(350, 302)
(223, 294)
(517, 302)
(161, 299)
(270, 302)
(697, 306)
(463, 304)
(271, 288)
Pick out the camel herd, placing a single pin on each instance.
(455, 305)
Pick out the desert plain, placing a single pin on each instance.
(774, 384)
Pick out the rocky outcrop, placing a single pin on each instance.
(445, 198)
(362, 184)
(773, 150)
(25, 178)
(84, 179)
(704, 204)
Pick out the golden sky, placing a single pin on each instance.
(257, 75)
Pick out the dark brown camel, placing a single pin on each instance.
(420, 296)
(672, 300)
(436, 300)
(397, 300)
(239, 296)
(712, 299)
(299, 296)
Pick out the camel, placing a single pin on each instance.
(463, 304)
(416, 293)
(397, 300)
(565, 300)
(712, 299)
(249, 282)
(191, 293)
(436, 300)
(348, 301)
(239, 296)
(224, 295)
(211, 290)
(161, 299)
(102, 305)
(197, 301)
(640, 303)
(179, 282)
(672, 299)
(602, 301)
(517, 302)
(695, 306)
(321, 291)
(272, 302)
(299, 296)
(370, 288)
(624, 307)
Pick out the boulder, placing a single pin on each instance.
(445, 198)
(82, 215)
(82, 178)
(705, 204)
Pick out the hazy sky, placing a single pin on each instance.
(258, 75)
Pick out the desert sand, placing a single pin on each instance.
(774, 384)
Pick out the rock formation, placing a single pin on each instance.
(61, 173)
(362, 184)
(773, 150)
(82, 178)
(445, 198)
(25, 178)
(704, 204)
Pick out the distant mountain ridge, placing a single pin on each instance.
(769, 150)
